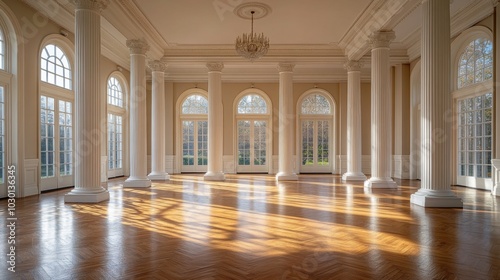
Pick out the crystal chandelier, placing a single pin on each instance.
(252, 46)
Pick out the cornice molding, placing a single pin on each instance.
(215, 66)
(285, 67)
(94, 5)
(137, 46)
(353, 65)
(157, 66)
(381, 39)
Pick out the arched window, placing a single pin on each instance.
(252, 132)
(56, 114)
(194, 131)
(473, 97)
(315, 130)
(116, 126)
(55, 67)
(476, 63)
(115, 92)
(2, 50)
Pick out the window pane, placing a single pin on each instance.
(55, 67)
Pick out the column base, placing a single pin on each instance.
(157, 176)
(284, 176)
(380, 183)
(85, 196)
(495, 190)
(137, 183)
(430, 198)
(214, 176)
(353, 176)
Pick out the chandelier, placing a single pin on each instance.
(252, 46)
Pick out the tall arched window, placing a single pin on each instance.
(116, 127)
(55, 67)
(194, 132)
(474, 101)
(316, 131)
(2, 136)
(253, 131)
(56, 114)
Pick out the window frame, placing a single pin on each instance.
(459, 45)
(268, 116)
(333, 125)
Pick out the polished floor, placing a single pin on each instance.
(249, 227)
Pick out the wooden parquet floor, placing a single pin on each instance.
(250, 227)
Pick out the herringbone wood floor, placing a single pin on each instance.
(250, 228)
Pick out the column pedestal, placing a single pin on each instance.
(88, 102)
(496, 177)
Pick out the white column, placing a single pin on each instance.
(215, 170)
(496, 177)
(381, 105)
(138, 133)
(353, 122)
(88, 101)
(435, 190)
(286, 123)
(158, 122)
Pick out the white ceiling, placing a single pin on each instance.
(212, 22)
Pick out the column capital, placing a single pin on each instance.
(137, 46)
(285, 67)
(157, 66)
(95, 5)
(381, 39)
(215, 66)
(353, 65)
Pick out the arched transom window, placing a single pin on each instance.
(316, 104)
(195, 104)
(115, 92)
(55, 67)
(252, 104)
(476, 63)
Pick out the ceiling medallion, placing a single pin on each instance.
(252, 46)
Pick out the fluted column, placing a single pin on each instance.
(215, 170)
(88, 102)
(286, 123)
(381, 122)
(435, 190)
(158, 122)
(353, 122)
(137, 112)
